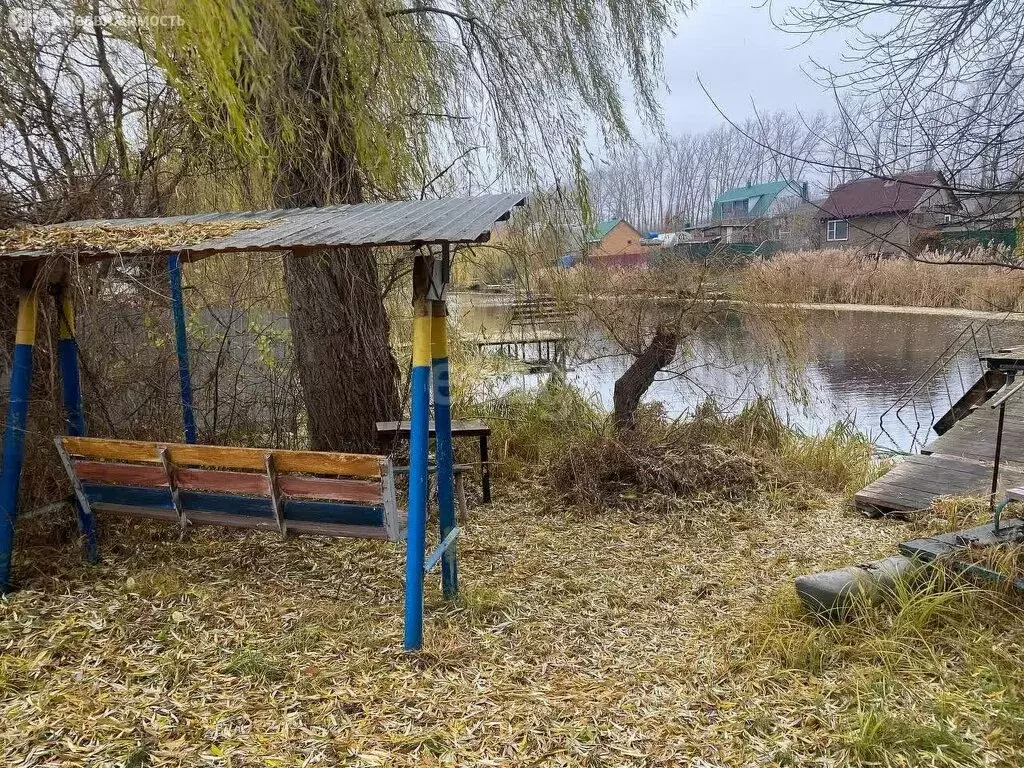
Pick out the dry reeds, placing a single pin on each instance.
(840, 277)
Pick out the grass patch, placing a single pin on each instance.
(254, 665)
(888, 738)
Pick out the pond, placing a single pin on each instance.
(891, 374)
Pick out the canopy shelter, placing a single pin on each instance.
(440, 223)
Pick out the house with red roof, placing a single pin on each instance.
(888, 215)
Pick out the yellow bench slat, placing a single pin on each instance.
(183, 455)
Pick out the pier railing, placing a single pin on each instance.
(915, 409)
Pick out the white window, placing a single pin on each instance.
(837, 229)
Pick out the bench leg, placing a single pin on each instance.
(485, 470)
(460, 495)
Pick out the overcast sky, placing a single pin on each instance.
(740, 56)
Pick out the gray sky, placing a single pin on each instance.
(740, 56)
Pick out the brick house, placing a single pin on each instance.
(615, 242)
(887, 215)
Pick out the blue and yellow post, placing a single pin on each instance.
(419, 446)
(14, 435)
(71, 388)
(188, 415)
(443, 445)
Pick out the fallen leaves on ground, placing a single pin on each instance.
(579, 640)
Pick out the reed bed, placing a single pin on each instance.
(842, 277)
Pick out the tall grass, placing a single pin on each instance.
(842, 277)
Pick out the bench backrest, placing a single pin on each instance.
(330, 494)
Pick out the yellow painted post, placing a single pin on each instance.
(419, 446)
(14, 435)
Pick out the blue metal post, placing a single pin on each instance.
(74, 415)
(419, 446)
(443, 442)
(188, 415)
(14, 435)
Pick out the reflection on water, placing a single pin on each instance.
(850, 365)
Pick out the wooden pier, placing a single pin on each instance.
(960, 460)
(521, 344)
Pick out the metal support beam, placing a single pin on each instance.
(14, 434)
(443, 435)
(446, 545)
(188, 415)
(74, 414)
(419, 445)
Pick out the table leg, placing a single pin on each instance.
(485, 470)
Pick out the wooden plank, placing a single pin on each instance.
(460, 428)
(309, 462)
(245, 506)
(112, 450)
(255, 523)
(338, 531)
(226, 457)
(340, 489)
(221, 480)
(130, 497)
(120, 474)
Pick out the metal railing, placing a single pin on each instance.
(910, 407)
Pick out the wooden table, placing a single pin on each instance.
(388, 431)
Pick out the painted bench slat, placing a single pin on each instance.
(222, 481)
(120, 474)
(215, 480)
(237, 506)
(341, 489)
(188, 484)
(232, 521)
(253, 459)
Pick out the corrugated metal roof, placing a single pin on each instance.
(416, 222)
(770, 188)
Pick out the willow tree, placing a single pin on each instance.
(351, 100)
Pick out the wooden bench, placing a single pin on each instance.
(328, 494)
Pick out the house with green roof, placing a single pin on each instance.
(756, 200)
(755, 213)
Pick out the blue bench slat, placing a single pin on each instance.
(122, 494)
(243, 506)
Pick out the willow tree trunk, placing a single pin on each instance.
(339, 325)
(632, 385)
(341, 336)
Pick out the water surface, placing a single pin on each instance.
(876, 369)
